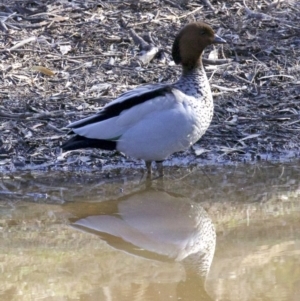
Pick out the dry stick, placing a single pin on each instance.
(216, 62)
(242, 79)
(207, 2)
(229, 89)
(190, 13)
(52, 127)
(276, 75)
(237, 59)
(32, 26)
(138, 40)
(47, 14)
(256, 70)
(4, 18)
(15, 115)
(262, 63)
(149, 49)
(290, 123)
(13, 26)
(20, 44)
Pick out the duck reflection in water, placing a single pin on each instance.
(159, 226)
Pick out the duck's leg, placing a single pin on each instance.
(149, 169)
(160, 168)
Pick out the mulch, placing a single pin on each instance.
(63, 60)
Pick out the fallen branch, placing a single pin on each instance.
(23, 42)
(147, 50)
(276, 75)
(216, 62)
(207, 2)
(229, 89)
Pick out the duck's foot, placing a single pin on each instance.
(149, 169)
(160, 169)
(148, 182)
(149, 176)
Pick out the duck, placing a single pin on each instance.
(153, 121)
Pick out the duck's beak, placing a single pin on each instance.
(218, 40)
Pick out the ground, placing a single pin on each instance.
(63, 60)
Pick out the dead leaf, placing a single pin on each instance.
(64, 49)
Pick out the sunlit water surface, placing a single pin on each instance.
(216, 233)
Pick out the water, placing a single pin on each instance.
(216, 233)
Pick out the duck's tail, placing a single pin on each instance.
(78, 141)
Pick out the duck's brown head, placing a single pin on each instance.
(190, 43)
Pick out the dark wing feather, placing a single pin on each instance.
(78, 141)
(124, 102)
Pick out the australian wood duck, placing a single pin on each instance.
(154, 121)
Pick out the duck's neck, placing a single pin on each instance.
(194, 82)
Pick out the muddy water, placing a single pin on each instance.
(216, 233)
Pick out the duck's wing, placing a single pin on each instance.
(124, 102)
(124, 112)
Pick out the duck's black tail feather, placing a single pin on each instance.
(78, 141)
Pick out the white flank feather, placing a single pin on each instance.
(116, 126)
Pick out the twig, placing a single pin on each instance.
(216, 62)
(3, 18)
(148, 50)
(52, 127)
(23, 42)
(207, 2)
(276, 75)
(229, 89)
(138, 40)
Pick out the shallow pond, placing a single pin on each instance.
(215, 233)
